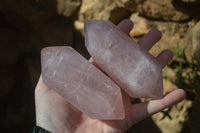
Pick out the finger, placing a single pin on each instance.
(170, 99)
(148, 40)
(146, 109)
(125, 26)
(164, 57)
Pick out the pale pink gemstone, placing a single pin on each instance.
(126, 62)
(81, 83)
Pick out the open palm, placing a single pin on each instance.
(55, 114)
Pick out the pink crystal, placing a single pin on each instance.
(126, 62)
(81, 83)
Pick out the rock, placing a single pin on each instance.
(173, 34)
(168, 76)
(126, 62)
(189, 51)
(140, 25)
(131, 5)
(185, 42)
(81, 83)
(156, 9)
(160, 9)
(79, 25)
(68, 8)
(102, 10)
(196, 42)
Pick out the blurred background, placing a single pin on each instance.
(26, 26)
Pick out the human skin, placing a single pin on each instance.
(56, 115)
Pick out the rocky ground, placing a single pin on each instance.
(26, 26)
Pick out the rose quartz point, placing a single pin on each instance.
(81, 83)
(126, 62)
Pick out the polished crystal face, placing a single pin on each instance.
(127, 63)
(81, 83)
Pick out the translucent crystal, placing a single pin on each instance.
(81, 83)
(126, 62)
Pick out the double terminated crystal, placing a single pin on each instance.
(127, 63)
(86, 87)
(81, 83)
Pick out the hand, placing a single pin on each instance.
(55, 114)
